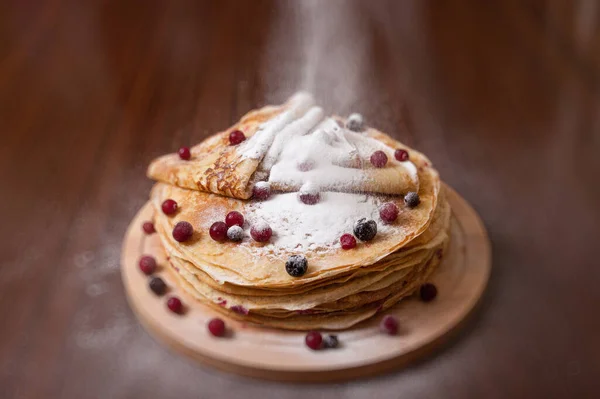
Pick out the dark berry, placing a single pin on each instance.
(401, 155)
(235, 233)
(147, 264)
(183, 231)
(296, 265)
(355, 123)
(389, 325)
(236, 137)
(218, 231)
(379, 159)
(428, 292)
(234, 218)
(330, 341)
(261, 232)
(261, 191)
(148, 227)
(184, 153)
(313, 340)
(174, 304)
(348, 241)
(158, 286)
(169, 207)
(365, 230)
(388, 212)
(412, 199)
(216, 327)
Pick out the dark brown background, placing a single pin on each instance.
(503, 96)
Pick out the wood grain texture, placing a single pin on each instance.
(503, 96)
(280, 355)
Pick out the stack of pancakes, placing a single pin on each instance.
(248, 280)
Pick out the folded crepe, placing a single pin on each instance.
(289, 146)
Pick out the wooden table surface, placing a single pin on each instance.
(503, 96)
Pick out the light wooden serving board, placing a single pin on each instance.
(281, 355)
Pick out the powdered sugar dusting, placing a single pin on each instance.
(260, 225)
(297, 226)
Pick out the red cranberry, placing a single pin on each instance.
(216, 327)
(388, 212)
(348, 241)
(174, 304)
(428, 292)
(236, 137)
(148, 227)
(261, 191)
(147, 264)
(184, 153)
(313, 340)
(218, 231)
(234, 218)
(169, 207)
(183, 231)
(306, 165)
(401, 155)
(309, 199)
(261, 232)
(379, 159)
(389, 325)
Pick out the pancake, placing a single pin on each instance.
(324, 177)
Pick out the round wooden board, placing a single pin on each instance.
(281, 355)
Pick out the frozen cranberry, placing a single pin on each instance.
(236, 137)
(174, 304)
(389, 325)
(261, 191)
(183, 231)
(313, 340)
(184, 153)
(388, 212)
(401, 155)
(218, 231)
(216, 327)
(235, 233)
(348, 241)
(234, 218)
(148, 227)
(169, 207)
(379, 159)
(309, 199)
(147, 264)
(309, 194)
(261, 231)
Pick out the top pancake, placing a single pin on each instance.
(275, 136)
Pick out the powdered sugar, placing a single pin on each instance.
(260, 225)
(315, 227)
(263, 185)
(257, 146)
(336, 157)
